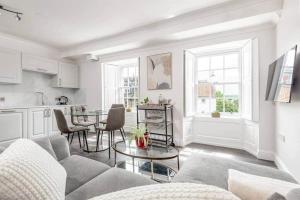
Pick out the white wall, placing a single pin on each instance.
(176, 93)
(24, 93)
(185, 129)
(288, 115)
(90, 84)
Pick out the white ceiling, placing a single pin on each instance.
(65, 23)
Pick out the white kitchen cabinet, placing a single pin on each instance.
(38, 122)
(13, 123)
(10, 66)
(68, 76)
(53, 124)
(39, 64)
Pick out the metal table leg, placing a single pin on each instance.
(115, 158)
(133, 170)
(168, 174)
(178, 162)
(152, 170)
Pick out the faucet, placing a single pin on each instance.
(43, 95)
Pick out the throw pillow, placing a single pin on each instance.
(249, 187)
(170, 191)
(29, 172)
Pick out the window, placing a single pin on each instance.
(121, 83)
(219, 83)
(128, 89)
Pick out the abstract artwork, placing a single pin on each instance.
(159, 69)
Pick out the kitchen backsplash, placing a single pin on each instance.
(25, 94)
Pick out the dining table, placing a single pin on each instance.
(96, 114)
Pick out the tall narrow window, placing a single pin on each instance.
(128, 89)
(219, 83)
(121, 83)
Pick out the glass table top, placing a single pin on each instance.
(152, 152)
(90, 113)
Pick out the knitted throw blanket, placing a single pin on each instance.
(170, 191)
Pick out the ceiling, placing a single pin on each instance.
(66, 23)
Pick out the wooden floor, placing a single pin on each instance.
(185, 152)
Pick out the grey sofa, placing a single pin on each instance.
(88, 178)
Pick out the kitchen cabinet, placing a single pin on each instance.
(10, 66)
(53, 124)
(13, 123)
(68, 76)
(38, 122)
(39, 64)
(31, 122)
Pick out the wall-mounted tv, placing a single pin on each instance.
(280, 77)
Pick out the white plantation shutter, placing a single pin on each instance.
(250, 80)
(111, 85)
(190, 84)
(255, 80)
(247, 81)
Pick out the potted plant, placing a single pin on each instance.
(216, 114)
(141, 137)
(146, 100)
(128, 109)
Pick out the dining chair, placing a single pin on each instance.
(80, 120)
(115, 121)
(65, 129)
(121, 129)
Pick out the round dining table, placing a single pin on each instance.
(96, 114)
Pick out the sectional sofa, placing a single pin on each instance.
(88, 178)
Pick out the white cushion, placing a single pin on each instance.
(170, 191)
(27, 171)
(252, 187)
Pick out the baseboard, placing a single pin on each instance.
(266, 155)
(187, 140)
(280, 164)
(217, 141)
(250, 148)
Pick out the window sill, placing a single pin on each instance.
(222, 119)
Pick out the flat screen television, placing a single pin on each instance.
(280, 77)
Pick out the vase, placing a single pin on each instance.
(142, 143)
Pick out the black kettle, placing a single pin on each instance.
(62, 100)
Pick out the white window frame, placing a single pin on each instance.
(119, 86)
(239, 83)
(122, 87)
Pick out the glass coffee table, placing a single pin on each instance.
(152, 153)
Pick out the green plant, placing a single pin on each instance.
(146, 100)
(137, 134)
